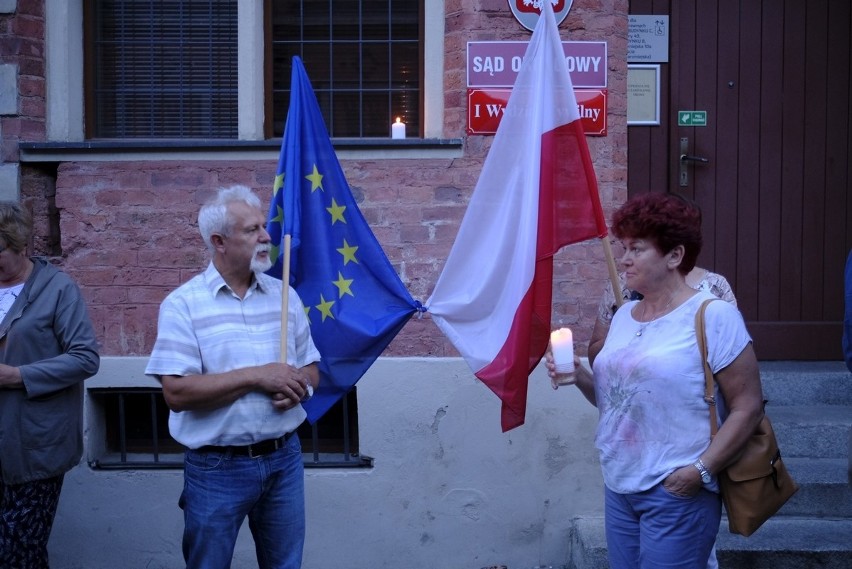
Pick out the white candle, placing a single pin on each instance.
(398, 129)
(562, 345)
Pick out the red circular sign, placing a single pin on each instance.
(528, 11)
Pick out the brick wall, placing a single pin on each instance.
(22, 49)
(22, 91)
(129, 235)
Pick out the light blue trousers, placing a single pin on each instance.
(657, 530)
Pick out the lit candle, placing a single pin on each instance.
(398, 129)
(562, 346)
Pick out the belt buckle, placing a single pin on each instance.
(251, 451)
(276, 444)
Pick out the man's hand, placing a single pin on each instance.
(286, 385)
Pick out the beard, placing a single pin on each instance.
(261, 265)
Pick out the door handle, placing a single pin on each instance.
(686, 160)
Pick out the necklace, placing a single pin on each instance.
(643, 325)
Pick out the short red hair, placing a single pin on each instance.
(667, 220)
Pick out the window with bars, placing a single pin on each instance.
(161, 68)
(168, 68)
(362, 57)
(136, 432)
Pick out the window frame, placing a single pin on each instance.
(90, 81)
(65, 91)
(66, 65)
(269, 43)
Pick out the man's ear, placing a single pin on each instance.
(218, 242)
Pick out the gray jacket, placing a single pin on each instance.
(49, 337)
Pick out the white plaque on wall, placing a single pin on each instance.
(648, 39)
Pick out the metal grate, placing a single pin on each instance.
(137, 435)
(363, 59)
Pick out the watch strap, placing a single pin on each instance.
(706, 477)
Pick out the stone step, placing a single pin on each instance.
(788, 543)
(781, 543)
(587, 543)
(810, 383)
(817, 431)
(825, 489)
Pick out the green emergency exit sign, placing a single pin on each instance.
(692, 118)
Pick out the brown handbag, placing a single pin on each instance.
(757, 484)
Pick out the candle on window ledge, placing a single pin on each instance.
(398, 129)
(562, 346)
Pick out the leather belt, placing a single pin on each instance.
(255, 450)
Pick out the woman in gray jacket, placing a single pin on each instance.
(47, 349)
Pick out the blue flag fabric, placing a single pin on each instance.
(353, 298)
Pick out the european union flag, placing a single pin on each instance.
(354, 299)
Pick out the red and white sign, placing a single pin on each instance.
(485, 109)
(528, 11)
(496, 63)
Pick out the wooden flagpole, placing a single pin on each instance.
(285, 298)
(613, 273)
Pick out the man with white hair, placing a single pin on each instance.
(234, 404)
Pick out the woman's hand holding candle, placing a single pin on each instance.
(562, 351)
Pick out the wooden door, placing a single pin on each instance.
(776, 190)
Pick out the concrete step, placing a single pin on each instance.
(811, 383)
(788, 543)
(817, 431)
(587, 543)
(825, 489)
(782, 543)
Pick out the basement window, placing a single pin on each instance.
(136, 433)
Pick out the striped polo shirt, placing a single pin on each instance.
(205, 328)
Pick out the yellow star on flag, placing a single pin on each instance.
(279, 219)
(343, 285)
(325, 308)
(336, 212)
(348, 252)
(279, 183)
(316, 179)
(279, 215)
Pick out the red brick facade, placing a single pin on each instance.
(22, 44)
(128, 230)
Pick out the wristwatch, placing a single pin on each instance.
(706, 477)
(309, 392)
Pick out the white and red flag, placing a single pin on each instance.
(536, 193)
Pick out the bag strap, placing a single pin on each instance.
(709, 392)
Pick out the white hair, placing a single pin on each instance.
(213, 216)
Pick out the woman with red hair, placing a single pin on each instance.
(662, 503)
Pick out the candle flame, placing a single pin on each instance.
(398, 120)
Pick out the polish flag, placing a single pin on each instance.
(536, 193)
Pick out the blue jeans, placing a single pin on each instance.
(220, 490)
(655, 529)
